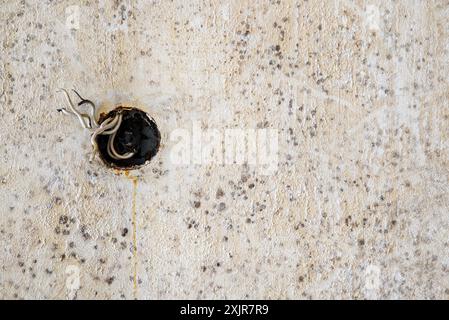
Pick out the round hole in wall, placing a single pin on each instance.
(137, 136)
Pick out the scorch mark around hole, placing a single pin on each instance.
(138, 136)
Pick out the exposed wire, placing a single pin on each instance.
(109, 126)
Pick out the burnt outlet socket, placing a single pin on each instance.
(137, 133)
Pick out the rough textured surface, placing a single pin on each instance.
(358, 206)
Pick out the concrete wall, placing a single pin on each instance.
(353, 205)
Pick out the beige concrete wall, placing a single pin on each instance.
(355, 207)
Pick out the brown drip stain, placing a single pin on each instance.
(134, 181)
(134, 221)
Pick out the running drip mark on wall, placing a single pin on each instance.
(135, 261)
(134, 181)
(134, 235)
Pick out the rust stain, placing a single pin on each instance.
(134, 181)
(134, 235)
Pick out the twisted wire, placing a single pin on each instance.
(110, 126)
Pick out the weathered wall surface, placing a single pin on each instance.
(357, 206)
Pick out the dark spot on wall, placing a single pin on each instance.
(220, 193)
(110, 280)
